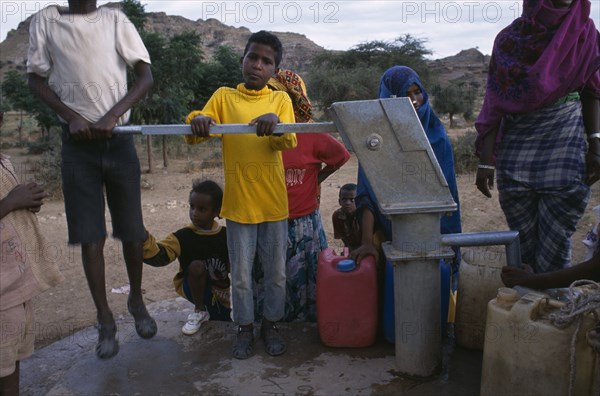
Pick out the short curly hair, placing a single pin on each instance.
(266, 38)
(210, 188)
(347, 187)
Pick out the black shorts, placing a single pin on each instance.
(90, 168)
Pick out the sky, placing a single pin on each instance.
(447, 26)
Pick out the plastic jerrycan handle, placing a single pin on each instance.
(526, 305)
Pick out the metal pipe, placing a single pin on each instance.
(510, 240)
(416, 305)
(222, 129)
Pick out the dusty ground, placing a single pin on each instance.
(69, 307)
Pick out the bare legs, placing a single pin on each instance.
(145, 326)
(92, 255)
(197, 283)
(93, 264)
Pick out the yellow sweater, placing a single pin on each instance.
(255, 189)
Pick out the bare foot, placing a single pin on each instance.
(145, 325)
(107, 345)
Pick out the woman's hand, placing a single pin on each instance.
(484, 180)
(512, 276)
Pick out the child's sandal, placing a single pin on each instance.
(274, 343)
(242, 347)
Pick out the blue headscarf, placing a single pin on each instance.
(395, 83)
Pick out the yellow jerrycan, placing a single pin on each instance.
(525, 354)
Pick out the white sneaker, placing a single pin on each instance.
(194, 321)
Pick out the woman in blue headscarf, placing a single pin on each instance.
(402, 81)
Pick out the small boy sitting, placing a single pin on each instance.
(345, 223)
(255, 203)
(201, 247)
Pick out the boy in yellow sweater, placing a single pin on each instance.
(255, 200)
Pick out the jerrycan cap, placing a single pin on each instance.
(507, 296)
(346, 265)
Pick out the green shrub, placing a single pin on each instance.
(39, 147)
(48, 172)
(465, 159)
(46, 168)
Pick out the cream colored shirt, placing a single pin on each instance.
(85, 57)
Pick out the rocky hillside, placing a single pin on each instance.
(298, 49)
(468, 65)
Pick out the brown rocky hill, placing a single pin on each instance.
(299, 50)
(468, 65)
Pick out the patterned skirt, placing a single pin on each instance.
(306, 239)
(541, 169)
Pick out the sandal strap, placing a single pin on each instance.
(274, 342)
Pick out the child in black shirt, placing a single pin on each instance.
(201, 247)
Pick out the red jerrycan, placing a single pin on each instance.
(346, 300)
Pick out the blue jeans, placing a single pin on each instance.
(268, 242)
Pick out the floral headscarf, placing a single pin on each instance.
(292, 83)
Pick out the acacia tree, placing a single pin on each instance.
(354, 74)
(182, 79)
(175, 62)
(455, 98)
(222, 71)
(176, 65)
(136, 13)
(17, 93)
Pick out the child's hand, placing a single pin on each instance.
(364, 250)
(103, 128)
(26, 196)
(265, 124)
(79, 128)
(201, 125)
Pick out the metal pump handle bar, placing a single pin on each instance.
(177, 129)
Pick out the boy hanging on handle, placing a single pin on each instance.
(77, 64)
